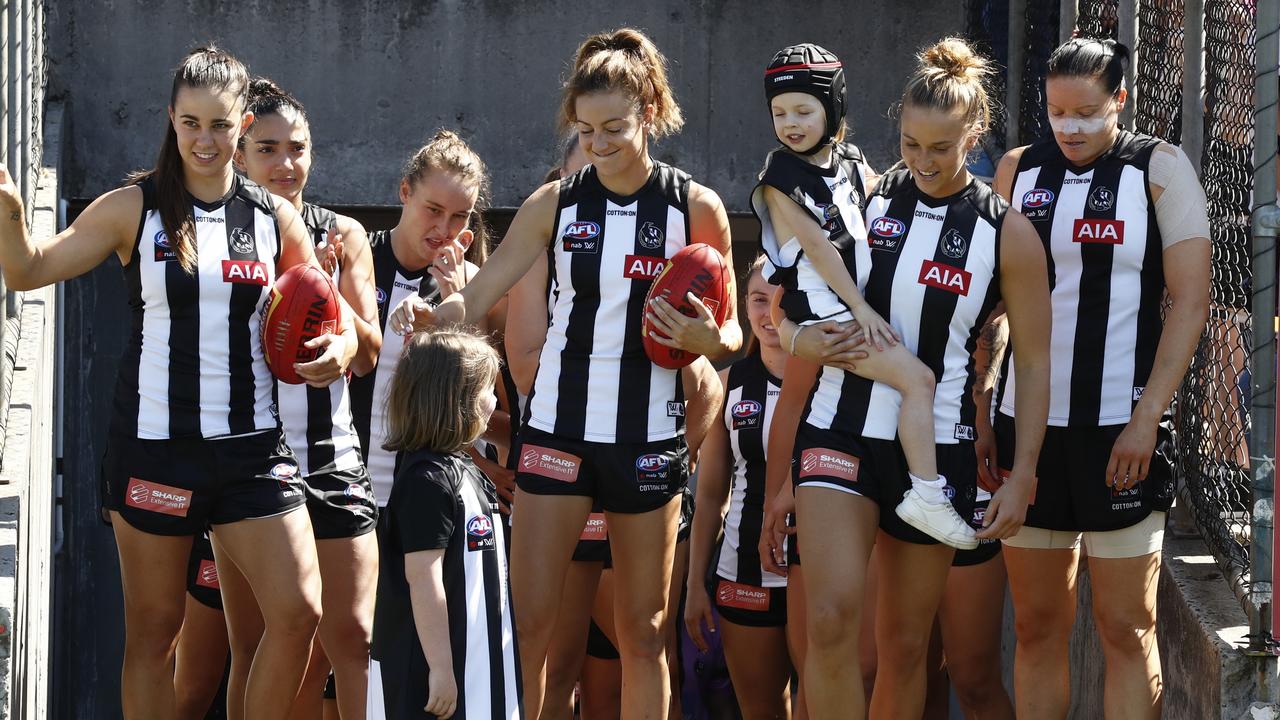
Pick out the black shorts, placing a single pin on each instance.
(181, 487)
(793, 542)
(749, 605)
(598, 644)
(1071, 491)
(621, 477)
(341, 503)
(877, 469)
(986, 549)
(202, 574)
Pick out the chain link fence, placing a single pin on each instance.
(1098, 18)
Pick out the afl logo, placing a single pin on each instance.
(284, 471)
(139, 493)
(480, 526)
(650, 236)
(954, 244)
(1102, 199)
(830, 211)
(241, 241)
(888, 227)
(582, 230)
(382, 296)
(162, 240)
(746, 409)
(652, 463)
(1037, 198)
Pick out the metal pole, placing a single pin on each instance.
(1266, 220)
(1192, 90)
(1067, 14)
(1127, 33)
(1017, 61)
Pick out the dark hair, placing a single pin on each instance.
(1091, 58)
(950, 76)
(448, 152)
(267, 98)
(756, 266)
(627, 60)
(208, 68)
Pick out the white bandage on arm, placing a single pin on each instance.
(1181, 211)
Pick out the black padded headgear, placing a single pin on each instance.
(812, 70)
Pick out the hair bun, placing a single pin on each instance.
(263, 86)
(955, 58)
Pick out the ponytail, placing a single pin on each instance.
(1084, 57)
(951, 76)
(627, 61)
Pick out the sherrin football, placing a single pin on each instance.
(699, 269)
(303, 306)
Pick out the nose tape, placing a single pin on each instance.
(1078, 125)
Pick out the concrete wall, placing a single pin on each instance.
(379, 76)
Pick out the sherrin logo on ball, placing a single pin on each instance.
(888, 227)
(582, 230)
(746, 409)
(1037, 197)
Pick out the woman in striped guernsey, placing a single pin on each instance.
(276, 153)
(603, 421)
(193, 442)
(1123, 218)
(751, 601)
(942, 250)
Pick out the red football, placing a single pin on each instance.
(303, 306)
(699, 269)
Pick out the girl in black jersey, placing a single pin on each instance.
(604, 422)
(276, 153)
(193, 443)
(751, 601)
(957, 252)
(1123, 218)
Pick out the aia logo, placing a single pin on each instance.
(1037, 198)
(650, 236)
(652, 462)
(945, 277)
(284, 471)
(480, 526)
(582, 230)
(887, 227)
(248, 272)
(746, 409)
(1106, 232)
(642, 267)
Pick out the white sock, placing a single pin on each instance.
(931, 490)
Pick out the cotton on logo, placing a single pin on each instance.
(1107, 232)
(824, 462)
(1036, 198)
(945, 277)
(641, 267)
(888, 227)
(249, 272)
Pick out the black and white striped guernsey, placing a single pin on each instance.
(443, 502)
(1106, 270)
(834, 197)
(594, 381)
(750, 397)
(369, 393)
(193, 365)
(934, 266)
(317, 421)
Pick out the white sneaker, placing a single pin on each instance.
(939, 521)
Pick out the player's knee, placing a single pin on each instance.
(1042, 626)
(153, 627)
(346, 638)
(641, 635)
(295, 616)
(1125, 629)
(832, 623)
(976, 680)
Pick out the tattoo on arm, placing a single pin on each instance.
(15, 216)
(993, 339)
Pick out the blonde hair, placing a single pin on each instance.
(448, 152)
(434, 402)
(951, 76)
(626, 60)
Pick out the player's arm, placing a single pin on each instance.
(424, 570)
(109, 224)
(526, 330)
(356, 284)
(709, 224)
(709, 507)
(1005, 173)
(705, 393)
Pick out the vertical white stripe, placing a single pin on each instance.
(953, 385)
(153, 361)
(728, 565)
(215, 301)
(1126, 298)
(268, 245)
(617, 242)
(475, 684)
(382, 463)
(772, 393)
(512, 710)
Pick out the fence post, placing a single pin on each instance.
(1017, 55)
(1193, 67)
(1067, 14)
(1266, 220)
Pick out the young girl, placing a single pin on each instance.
(443, 629)
(604, 423)
(809, 202)
(193, 443)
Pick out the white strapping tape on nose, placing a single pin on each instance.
(1078, 125)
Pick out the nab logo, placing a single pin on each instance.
(652, 463)
(945, 277)
(1106, 232)
(642, 267)
(746, 409)
(245, 272)
(887, 227)
(582, 230)
(1037, 198)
